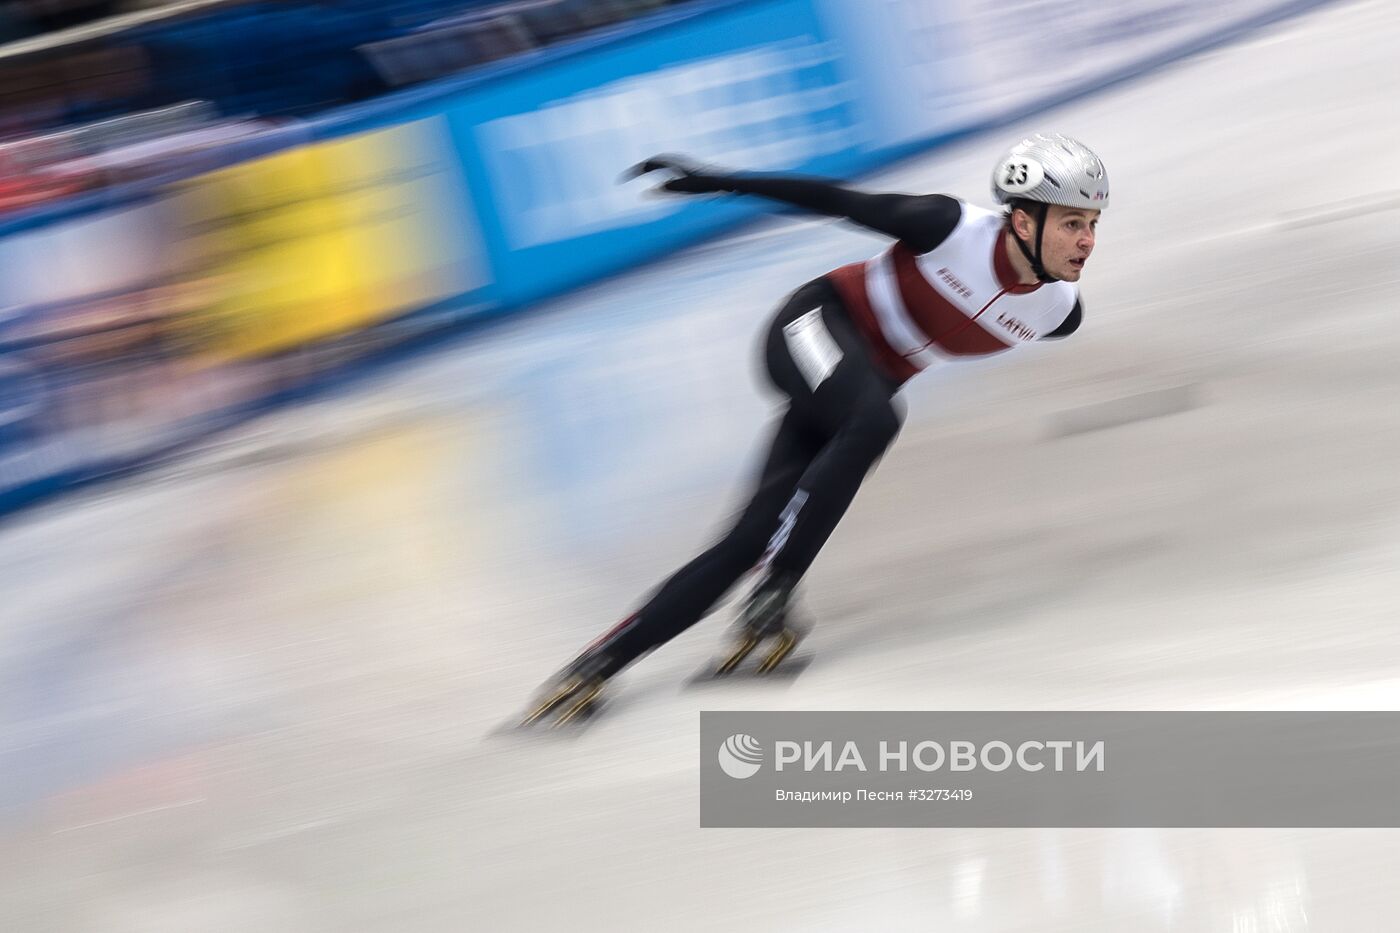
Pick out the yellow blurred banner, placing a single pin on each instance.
(327, 238)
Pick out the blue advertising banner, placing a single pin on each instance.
(758, 85)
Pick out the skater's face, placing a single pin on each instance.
(1068, 241)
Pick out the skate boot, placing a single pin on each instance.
(574, 693)
(765, 619)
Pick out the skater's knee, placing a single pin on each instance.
(744, 544)
(749, 548)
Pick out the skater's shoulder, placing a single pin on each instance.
(973, 216)
(924, 222)
(1072, 308)
(1063, 297)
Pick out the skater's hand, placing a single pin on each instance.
(686, 177)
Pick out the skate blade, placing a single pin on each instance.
(545, 707)
(786, 641)
(736, 657)
(564, 712)
(582, 708)
(789, 667)
(549, 730)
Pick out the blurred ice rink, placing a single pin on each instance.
(255, 690)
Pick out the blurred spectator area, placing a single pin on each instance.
(268, 58)
(493, 32)
(79, 77)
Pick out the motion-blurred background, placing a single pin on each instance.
(345, 392)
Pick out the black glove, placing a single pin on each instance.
(687, 177)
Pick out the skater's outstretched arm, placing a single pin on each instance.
(920, 221)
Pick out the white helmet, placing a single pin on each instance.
(1051, 169)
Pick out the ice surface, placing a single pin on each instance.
(255, 691)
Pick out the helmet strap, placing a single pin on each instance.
(1034, 257)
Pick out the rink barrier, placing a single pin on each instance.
(137, 321)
